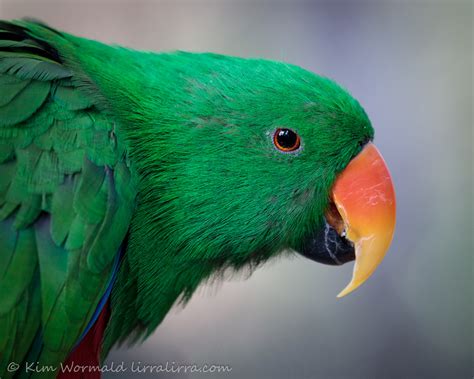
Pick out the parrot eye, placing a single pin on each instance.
(286, 140)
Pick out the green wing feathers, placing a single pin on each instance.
(66, 200)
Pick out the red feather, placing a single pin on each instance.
(87, 353)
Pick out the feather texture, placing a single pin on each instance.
(56, 200)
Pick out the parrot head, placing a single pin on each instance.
(252, 158)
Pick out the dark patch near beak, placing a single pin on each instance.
(328, 247)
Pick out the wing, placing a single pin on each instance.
(66, 200)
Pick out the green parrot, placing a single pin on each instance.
(129, 178)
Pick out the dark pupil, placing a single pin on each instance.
(286, 138)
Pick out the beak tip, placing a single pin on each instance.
(346, 291)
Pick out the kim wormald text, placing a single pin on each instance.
(136, 367)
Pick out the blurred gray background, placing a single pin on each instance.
(410, 65)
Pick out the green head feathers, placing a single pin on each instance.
(213, 184)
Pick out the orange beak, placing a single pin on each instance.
(365, 199)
